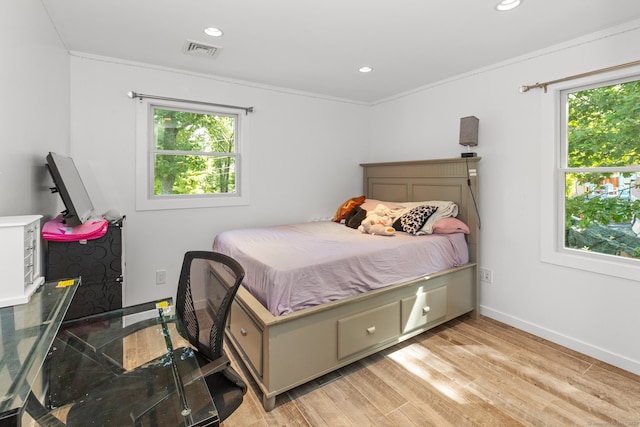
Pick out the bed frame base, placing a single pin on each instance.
(291, 350)
(284, 352)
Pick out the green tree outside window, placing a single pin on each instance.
(194, 153)
(601, 178)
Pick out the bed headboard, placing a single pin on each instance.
(418, 180)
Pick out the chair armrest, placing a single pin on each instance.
(150, 403)
(218, 365)
(223, 366)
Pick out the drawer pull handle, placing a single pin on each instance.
(371, 330)
(243, 332)
(425, 310)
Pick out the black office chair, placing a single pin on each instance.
(143, 388)
(225, 275)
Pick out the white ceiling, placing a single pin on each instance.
(317, 46)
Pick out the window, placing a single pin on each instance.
(188, 156)
(597, 192)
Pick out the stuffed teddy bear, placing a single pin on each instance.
(378, 222)
(379, 229)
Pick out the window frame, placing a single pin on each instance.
(554, 166)
(145, 197)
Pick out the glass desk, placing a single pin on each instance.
(127, 367)
(27, 333)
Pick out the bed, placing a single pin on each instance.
(291, 343)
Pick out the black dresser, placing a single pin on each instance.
(98, 262)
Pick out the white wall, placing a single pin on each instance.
(34, 106)
(305, 154)
(592, 313)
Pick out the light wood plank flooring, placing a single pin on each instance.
(464, 373)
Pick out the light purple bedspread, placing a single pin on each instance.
(291, 267)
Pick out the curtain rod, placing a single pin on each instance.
(525, 88)
(133, 95)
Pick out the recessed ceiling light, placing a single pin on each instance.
(365, 69)
(213, 32)
(508, 5)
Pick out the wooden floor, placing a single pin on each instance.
(464, 373)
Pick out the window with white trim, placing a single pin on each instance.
(188, 156)
(597, 192)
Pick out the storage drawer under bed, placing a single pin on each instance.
(247, 334)
(368, 329)
(423, 308)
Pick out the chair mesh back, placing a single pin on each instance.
(222, 278)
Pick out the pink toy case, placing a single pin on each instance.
(56, 230)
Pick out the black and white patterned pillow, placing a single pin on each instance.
(412, 221)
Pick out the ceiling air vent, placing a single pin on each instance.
(199, 49)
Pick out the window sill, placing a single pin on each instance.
(144, 204)
(610, 265)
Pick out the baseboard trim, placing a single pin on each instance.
(614, 359)
(201, 304)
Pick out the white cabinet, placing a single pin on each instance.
(20, 258)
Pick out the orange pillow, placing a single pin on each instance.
(346, 207)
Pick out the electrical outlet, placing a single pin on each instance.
(161, 277)
(486, 275)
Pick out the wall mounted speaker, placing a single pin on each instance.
(469, 131)
(469, 134)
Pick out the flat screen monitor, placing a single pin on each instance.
(69, 185)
